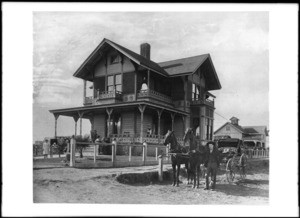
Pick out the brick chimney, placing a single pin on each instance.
(145, 50)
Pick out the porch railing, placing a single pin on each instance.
(110, 94)
(206, 102)
(155, 95)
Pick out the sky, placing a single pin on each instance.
(238, 43)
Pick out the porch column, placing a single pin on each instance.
(75, 119)
(202, 123)
(80, 114)
(172, 117)
(105, 88)
(142, 109)
(84, 90)
(148, 80)
(185, 92)
(55, 126)
(109, 112)
(159, 112)
(122, 71)
(183, 123)
(92, 122)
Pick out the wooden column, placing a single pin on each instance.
(142, 109)
(80, 114)
(55, 125)
(105, 74)
(159, 112)
(92, 122)
(172, 117)
(185, 92)
(148, 79)
(202, 123)
(122, 71)
(84, 90)
(109, 112)
(75, 119)
(183, 122)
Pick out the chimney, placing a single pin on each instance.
(145, 50)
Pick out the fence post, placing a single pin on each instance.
(113, 154)
(72, 155)
(143, 153)
(167, 153)
(129, 153)
(156, 153)
(160, 168)
(95, 149)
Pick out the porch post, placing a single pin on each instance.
(142, 109)
(92, 122)
(84, 90)
(202, 124)
(172, 117)
(55, 126)
(148, 80)
(183, 123)
(109, 112)
(159, 112)
(185, 92)
(105, 88)
(75, 119)
(80, 114)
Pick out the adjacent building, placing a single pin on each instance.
(256, 136)
(136, 99)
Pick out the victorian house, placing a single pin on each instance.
(136, 99)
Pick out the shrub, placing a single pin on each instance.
(79, 146)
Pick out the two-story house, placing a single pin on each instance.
(254, 136)
(135, 99)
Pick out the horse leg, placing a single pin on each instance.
(188, 172)
(174, 174)
(178, 171)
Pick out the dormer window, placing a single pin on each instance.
(115, 59)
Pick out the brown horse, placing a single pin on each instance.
(177, 155)
(197, 155)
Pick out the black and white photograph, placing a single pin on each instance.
(131, 107)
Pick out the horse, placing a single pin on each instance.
(177, 155)
(197, 156)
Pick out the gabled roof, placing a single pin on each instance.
(237, 127)
(184, 65)
(179, 67)
(256, 130)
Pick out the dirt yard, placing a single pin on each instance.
(139, 185)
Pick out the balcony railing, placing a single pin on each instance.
(155, 95)
(110, 94)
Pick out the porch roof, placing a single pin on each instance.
(88, 110)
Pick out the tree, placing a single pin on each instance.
(61, 145)
(85, 139)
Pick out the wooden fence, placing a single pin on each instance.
(257, 153)
(129, 158)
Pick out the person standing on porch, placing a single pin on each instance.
(45, 148)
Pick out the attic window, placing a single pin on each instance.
(115, 59)
(227, 128)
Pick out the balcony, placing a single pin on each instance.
(151, 94)
(106, 97)
(207, 102)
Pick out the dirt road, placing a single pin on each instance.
(71, 185)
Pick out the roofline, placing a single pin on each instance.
(229, 124)
(54, 111)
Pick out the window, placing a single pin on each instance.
(195, 92)
(115, 59)
(114, 83)
(227, 128)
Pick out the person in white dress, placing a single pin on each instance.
(45, 148)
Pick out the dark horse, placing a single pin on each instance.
(197, 155)
(177, 153)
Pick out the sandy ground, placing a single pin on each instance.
(73, 185)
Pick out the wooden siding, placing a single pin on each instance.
(99, 124)
(100, 69)
(128, 80)
(128, 122)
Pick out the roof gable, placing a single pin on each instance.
(256, 130)
(237, 127)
